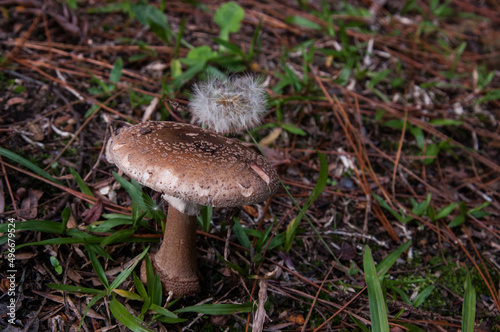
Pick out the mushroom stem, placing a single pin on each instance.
(175, 262)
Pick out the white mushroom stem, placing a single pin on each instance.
(183, 206)
(175, 262)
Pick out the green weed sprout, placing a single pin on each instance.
(228, 17)
(56, 265)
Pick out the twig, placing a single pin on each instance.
(316, 298)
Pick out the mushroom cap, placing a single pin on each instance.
(192, 164)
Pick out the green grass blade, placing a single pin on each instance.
(318, 189)
(386, 206)
(123, 316)
(469, 306)
(404, 296)
(445, 122)
(116, 71)
(256, 41)
(153, 210)
(240, 270)
(187, 75)
(359, 324)
(117, 236)
(139, 286)
(99, 270)
(98, 250)
(228, 46)
(411, 327)
(303, 22)
(91, 303)
(389, 261)
(64, 240)
(127, 294)
(149, 273)
(134, 192)
(156, 291)
(241, 235)
(65, 215)
(377, 78)
(205, 218)
(444, 212)
(422, 296)
(76, 289)
(420, 208)
(153, 283)
(81, 184)
(163, 311)
(219, 309)
(70, 240)
(28, 164)
(43, 226)
(125, 273)
(291, 231)
(264, 237)
(107, 225)
(292, 128)
(169, 320)
(378, 307)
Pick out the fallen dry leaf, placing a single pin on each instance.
(25, 255)
(73, 275)
(274, 156)
(71, 222)
(220, 320)
(296, 319)
(29, 205)
(15, 101)
(59, 299)
(347, 252)
(36, 131)
(250, 210)
(93, 214)
(271, 137)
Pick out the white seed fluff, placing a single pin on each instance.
(228, 104)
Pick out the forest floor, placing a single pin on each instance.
(382, 123)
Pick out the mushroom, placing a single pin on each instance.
(191, 167)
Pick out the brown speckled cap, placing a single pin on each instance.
(192, 164)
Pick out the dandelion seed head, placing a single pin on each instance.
(228, 104)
